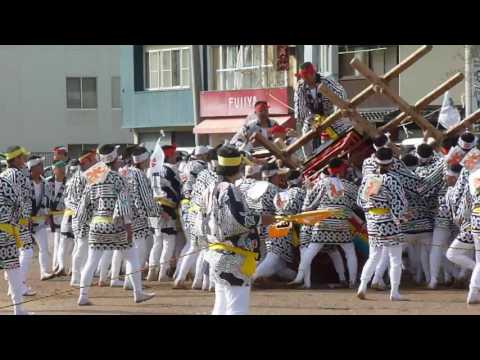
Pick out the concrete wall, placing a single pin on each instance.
(33, 109)
(143, 109)
(430, 71)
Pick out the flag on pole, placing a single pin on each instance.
(449, 115)
(157, 159)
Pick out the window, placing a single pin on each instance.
(247, 67)
(167, 69)
(81, 93)
(380, 58)
(116, 103)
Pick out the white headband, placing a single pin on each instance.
(200, 150)
(109, 158)
(296, 181)
(451, 173)
(467, 146)
(141, 158)
(269, 173)
(383, 162)
(34, 162)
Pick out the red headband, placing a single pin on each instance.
(278, 129)
(308, 70)
(83, 159)
(263, 106)
(169, 150)
(337, 170)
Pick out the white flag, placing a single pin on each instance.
(157, 159)
(449, 115)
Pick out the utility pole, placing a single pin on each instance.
(468, 80)
(196, 84)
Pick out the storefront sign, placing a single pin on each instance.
(242, 102)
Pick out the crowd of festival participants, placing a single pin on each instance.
(203, 221)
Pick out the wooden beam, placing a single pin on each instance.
(359, 122)
(274, 150)
(465, 123)
(424, 102)
(363, 95)
(402, 104)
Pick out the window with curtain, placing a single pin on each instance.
(81, 92)
(247, 67)
(167, 69)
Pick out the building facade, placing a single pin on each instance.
(157, 94)
(60, 94)
(204, 93)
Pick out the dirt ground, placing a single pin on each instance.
(57, 298)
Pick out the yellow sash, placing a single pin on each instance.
(38, 218)
(102, 220)
(166, 202)
(69, 212)
(378, 211)
(249, 264)
(56, 212)
(476, 210)
(12, 231)
(192, 208)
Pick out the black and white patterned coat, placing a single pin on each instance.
(20, 180)
(235, 221)
(241, 139)
(205, 179)
(10, 210)
(194, 168)
(143, 204)
(384, 229)
(55, 200)
(306, 105)
(283, 246)
(330, 193)
(73, 195)
(108, 198)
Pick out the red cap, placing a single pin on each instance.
(308, 70)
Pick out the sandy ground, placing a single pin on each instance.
(56, 297)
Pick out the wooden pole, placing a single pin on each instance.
(402, 104)
(274, 150)
(362, 96)
(423, 102)
(357, 119)
(467, 122)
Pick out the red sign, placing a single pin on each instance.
(241, 102)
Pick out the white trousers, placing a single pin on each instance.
(94, 256)
(461, 253)
(56, 246)
(79, 257)
(420, 245)
(337, 262)
(64, 251)
(475, 280)
(274, 265)
(381, 267)
(118, 257)
(375, 253)
(231, 300)
(441, 238)
(15, 285)
(26, 256)
(104, 264)
(201, 278)
(41, 237)
(187, 262)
